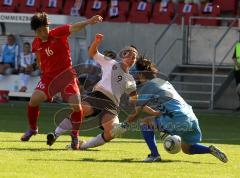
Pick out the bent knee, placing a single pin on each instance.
(37, 98)
(107, 136)
(186, 149)
(77, 108)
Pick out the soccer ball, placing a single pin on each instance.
(172, 144)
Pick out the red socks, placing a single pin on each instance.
(76, 119)
(33, 114)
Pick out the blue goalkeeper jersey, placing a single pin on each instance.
(177, 117)
(161, 95)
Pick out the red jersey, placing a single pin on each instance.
(54, 53)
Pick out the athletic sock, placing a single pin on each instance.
(94, 142)
(33, 114)
(199, 149)
(76, 120)
(149, 136)
(64, 126)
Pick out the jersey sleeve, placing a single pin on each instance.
(130, 86)
(61, 31)
(101, 59)
(142, 100)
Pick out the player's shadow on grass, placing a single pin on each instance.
(139, 161)
(31, 141)
(129, 160)
(32, 149)
(40, 149)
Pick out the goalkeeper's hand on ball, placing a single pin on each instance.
(119, 129)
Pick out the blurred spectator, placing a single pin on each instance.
(236, 60)
(9, 57)
(27, 66)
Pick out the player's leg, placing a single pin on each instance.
(37, 97)
(108, 120)
(66, 124)
(202, 149)
(190, 143)
(76, 118)
(147, 126)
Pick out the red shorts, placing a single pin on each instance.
(66, 84)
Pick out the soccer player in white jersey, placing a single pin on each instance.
(171, 114)
(105, 98)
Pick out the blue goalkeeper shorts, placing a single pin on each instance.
(185, 126)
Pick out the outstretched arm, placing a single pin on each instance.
(121, 128)
(80, 25)
(151, 111)
(132, 117)
(93, 49)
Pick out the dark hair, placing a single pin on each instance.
(27, 43)
(109, 53)
(134, 47)
(11, 36)
(146, 67)
(39, 20)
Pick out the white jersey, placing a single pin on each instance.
(26, 60)
(115, 81)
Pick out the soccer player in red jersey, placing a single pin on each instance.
(54, 59)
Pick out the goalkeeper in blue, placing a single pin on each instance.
(171, 115)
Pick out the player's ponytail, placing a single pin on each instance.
(146, 67)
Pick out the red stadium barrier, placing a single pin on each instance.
(4, 96)
(162, 13)
(187, 10)
(52, 6)
(140, 12)
(209, 10)
(118, 13)
(227, 5)
(9, 6)
(96, 7)
(74, 7)
(29, 6)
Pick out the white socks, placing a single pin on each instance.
(94, 142)
(64, 126)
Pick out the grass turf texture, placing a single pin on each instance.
(120, 158)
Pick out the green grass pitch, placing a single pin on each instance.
(120, 158)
